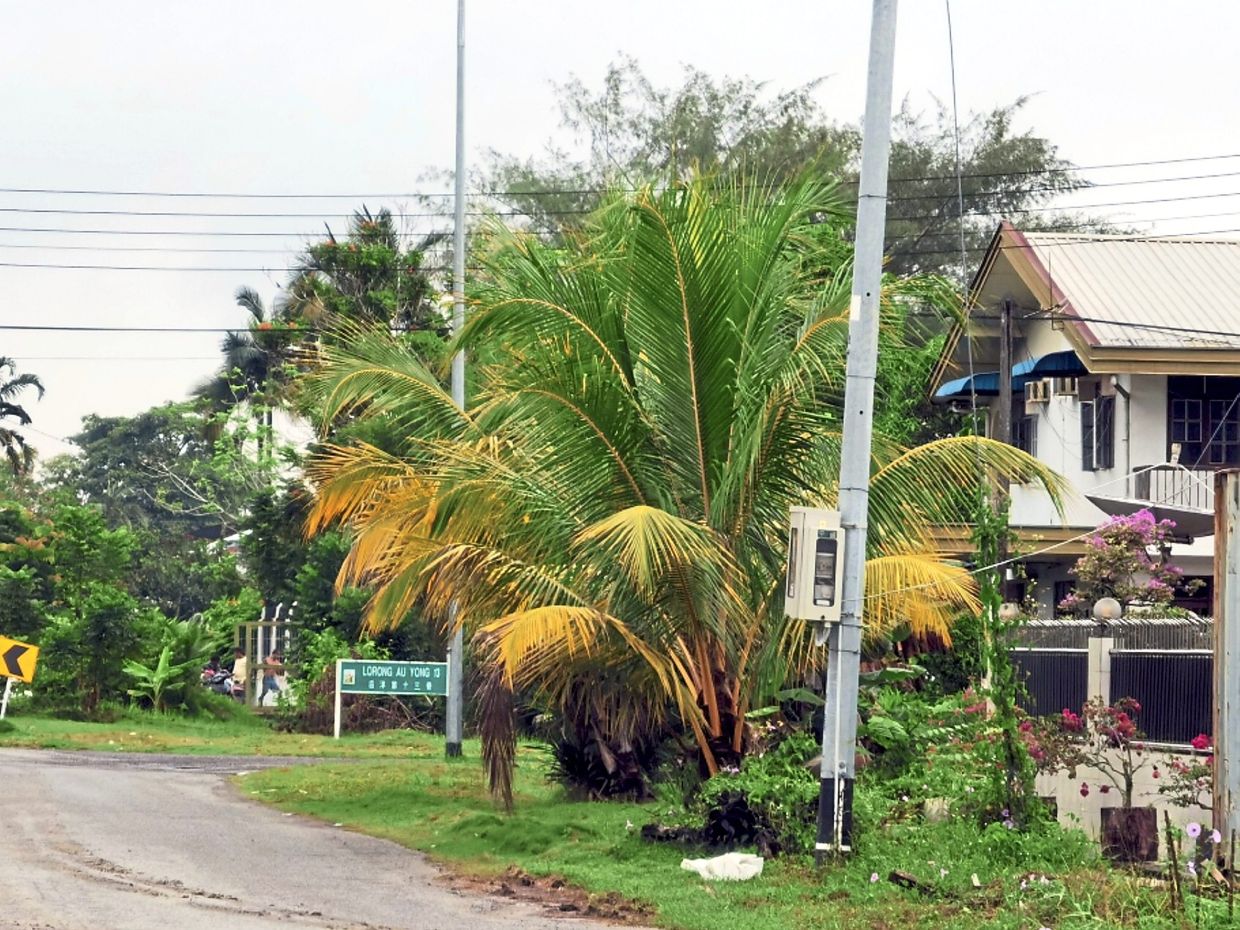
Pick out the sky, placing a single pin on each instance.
(284, 97)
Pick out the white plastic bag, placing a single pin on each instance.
(730, 867)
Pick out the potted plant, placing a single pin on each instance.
(1105, 737)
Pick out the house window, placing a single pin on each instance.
(1062, 590)
(1098, 433)
(1104, 432)
(1224, 431)
(1186, 425)
(1024, 429)
(1203, 417)
(1087, 436)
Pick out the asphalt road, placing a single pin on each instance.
(90, 841)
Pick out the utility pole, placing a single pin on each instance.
(454, 723)
(839, 736)
(1003, 424)
(1003, 428)
(1227, 656)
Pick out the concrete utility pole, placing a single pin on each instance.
(839, 736)
(454, 724)
(1003, 428)
(1003, 423)
(1227, 655)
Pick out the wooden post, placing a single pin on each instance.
(1227, 653)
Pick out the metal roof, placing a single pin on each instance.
(1182, 293)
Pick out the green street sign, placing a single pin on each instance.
(364, 676)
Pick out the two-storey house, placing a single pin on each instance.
(1125, 377)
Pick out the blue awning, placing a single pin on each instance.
(986, 384)
(1053, 365)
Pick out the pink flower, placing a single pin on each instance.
(1216, 837)
(1200, 741)
(1084, 790)
(1105, 789)
(873, 877)
(1193, 830)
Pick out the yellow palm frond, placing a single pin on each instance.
(922, 590)
(649, 544)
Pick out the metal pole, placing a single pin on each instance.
(4, 702)
(336, 726)
(1227, 653)
(456, 651)
(839, 735)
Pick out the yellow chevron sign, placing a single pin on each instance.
(17, 659)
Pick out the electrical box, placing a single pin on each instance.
(815, 565)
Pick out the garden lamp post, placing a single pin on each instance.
(1106, 610)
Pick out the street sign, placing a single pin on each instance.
(371, 676)
(364, 676)
(18, 659)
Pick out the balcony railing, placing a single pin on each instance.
(1173, 486)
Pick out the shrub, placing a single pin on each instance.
(772, 799)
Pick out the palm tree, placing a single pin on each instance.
(253, 367)
(12, 385)
(369, 277)
(610, 514)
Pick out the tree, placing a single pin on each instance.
(633, 132)
(370, 277)
(160, 475)
(254, 369)
(610, 514)
(12, 386)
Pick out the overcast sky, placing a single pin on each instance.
(295, 96)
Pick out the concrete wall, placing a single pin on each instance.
(1086, 812)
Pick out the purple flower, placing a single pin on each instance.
(873, 877)
(1193, 830)
(1010, 824)
(1216, 837)
(1192, 868)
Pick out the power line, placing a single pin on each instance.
(551, 192)
(192, 214)
(181, 268)
(1093, 224)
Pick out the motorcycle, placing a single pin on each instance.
(219, 681)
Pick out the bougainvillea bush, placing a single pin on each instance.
(1122, 561)
(1104, 737)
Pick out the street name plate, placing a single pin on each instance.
(366, 676)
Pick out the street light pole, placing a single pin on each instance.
(839, 734)
(454, 723)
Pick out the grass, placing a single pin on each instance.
(404, 790)
(442, 809)
(242, 735)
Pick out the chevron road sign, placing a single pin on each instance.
(18, 659)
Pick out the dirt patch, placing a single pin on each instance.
(557, 896)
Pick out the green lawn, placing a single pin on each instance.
(442, 808)
(245, 735)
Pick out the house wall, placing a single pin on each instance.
(1140, 439)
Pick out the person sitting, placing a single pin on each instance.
(239, 670)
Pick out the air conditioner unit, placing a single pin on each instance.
(1065, 387)
(1034, 394)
